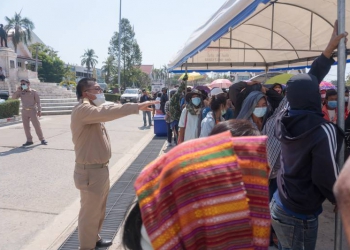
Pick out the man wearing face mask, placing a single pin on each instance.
(191, 117)
(329, 109)
(31, 109)
(92, 151)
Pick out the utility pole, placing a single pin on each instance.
(119, 40)
(341, 107)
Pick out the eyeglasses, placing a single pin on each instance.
(96, 88)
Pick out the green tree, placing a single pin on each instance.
(20, 28)
(109, 68)
(131, 54)
(89, 59)
(52, 68)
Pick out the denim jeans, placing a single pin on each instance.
(149, 118)
(293, 233)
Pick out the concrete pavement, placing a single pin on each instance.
(38, 201)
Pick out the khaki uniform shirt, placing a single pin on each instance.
(90, 138)
(30, 98)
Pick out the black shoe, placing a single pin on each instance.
(151, 125)
(28, 143)
(43, 142)
(103, 243)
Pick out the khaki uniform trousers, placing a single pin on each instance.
(30, 115)
(93, 184)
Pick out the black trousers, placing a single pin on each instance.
(170, 133)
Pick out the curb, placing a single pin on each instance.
(10, 121)
(65, 223)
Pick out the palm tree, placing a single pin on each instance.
(89, 59)
(22, 29)
(109, 67)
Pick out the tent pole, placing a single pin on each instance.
(186, 80)
(341, 109)
(266, 70)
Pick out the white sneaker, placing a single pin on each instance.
(170, 144)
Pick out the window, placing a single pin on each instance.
(130, 91)
(19, 64)
(12, 64)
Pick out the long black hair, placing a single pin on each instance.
(132, 229)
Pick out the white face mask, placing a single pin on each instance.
(100, 99)
(323, 95)
(24, 87)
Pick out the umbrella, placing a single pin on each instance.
(282, 79)
(326, 85)
(220, 83)
(205, 88)
(192, 76)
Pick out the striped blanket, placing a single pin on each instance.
(208, 193)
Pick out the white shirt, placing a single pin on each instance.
(157, 106)
(145, 241)
(191, 126)
(331, 113)
(208, 124)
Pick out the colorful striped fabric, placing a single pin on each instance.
(197, 196)
(252, 159)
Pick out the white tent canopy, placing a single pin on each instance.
(256, 35)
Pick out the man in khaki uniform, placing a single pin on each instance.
(92, 151)
(31, 109)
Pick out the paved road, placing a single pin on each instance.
(37, 185)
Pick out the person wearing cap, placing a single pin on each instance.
(92, 153)
(31, 110)
(214, 91)
(191, 117)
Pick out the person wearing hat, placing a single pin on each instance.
(191, 117)
(31, 110)
(214, 91)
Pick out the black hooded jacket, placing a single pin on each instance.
(309, 145)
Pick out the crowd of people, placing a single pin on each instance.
(278, 144)
(251, 167)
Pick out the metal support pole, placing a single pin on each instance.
(341, 108)
(119, 40)
(186, 80)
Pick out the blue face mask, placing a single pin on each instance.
(332, 104)
(260, 111)
(196, 101)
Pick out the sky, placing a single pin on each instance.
(72, 26)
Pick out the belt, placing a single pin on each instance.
(91, 166)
